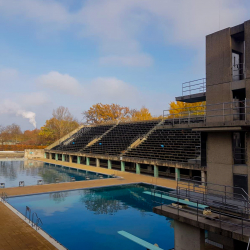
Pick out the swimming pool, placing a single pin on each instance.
(11, 172)
(91, 218)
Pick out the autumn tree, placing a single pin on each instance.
(11, 133)
(182, 109)
(61, 123)
(142, 114)
(100, 113)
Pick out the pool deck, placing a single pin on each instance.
(16, 234)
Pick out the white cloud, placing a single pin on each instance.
(134, 60)
(62, 83)
(33, 99)
(120, 26)
(106, 90)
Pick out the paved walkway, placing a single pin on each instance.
(15, 234)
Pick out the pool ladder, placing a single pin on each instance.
(4, 197)
(33, 218)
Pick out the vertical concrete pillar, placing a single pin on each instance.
(203, 177)
(97, 162)
(87, 161)
(177, 174)
(123, 166)
(187, 237)
(56, 157)
(138, 168)
(45, 156)
(63, 157)
(70, 158)
(78, 159)
(109, 164)
(156, 171)
(190, 174)
(50, 156)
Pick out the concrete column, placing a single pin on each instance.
(187, 237)
(63, 157)
(177, 174)
(56, 157)
(203, 177)
(45, 156)
(138, 168)
(97, 162)
(190, 174)
(78, 159)
(156, 171)
(109, 164)
(50, 156)
(87, 161)
(123, 166)
(70, 158)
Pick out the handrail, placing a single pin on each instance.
(4, 197)
(190, 87)
(237, 109)
(205, 200)
(188, 181)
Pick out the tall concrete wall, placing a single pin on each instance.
(220, 158)
(218, 73)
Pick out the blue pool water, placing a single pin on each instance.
(90, 218)
(11, 172)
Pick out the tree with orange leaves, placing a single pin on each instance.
(182, 109)
(101, 113)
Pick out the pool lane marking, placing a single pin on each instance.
(139, 241)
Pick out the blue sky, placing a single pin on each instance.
(76, 53)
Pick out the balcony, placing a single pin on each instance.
(228, 112)
(193, 91)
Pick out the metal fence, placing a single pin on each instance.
(194, 87)
(236, 110)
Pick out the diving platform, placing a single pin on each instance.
(139, 241)
(184, 202)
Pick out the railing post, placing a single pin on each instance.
(245, 109)
(197, 210)
(223, 112)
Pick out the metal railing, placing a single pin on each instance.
(238, 71)
(221, 218)
(223, 192)
(4, 197)
(194, 87)
(33, 218)
(233, 111)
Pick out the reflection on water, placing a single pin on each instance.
(11, 172)
(92, 218)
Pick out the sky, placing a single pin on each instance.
(76, 53)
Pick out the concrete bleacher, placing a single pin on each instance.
(172, 145)
(121, 137)
(144, 139)
(79, 140)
